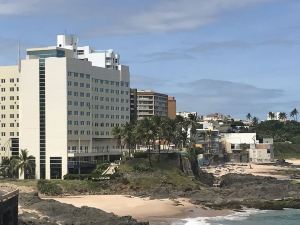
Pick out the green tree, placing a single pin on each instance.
(254, 121)
(25, 163)
(282, 116)
(145, 133)
(248, 116)
(271, 115)
(294, 114)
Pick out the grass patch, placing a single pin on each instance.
(286, 151)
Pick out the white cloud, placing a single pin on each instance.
(16, 7)
(175, 15)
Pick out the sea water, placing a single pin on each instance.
(249, 217)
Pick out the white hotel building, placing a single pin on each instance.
(70, 100)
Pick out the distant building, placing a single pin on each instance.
(133, 104)
(171, 107)
(209, 141)
(262, 153)
(186, 114)
(244, 147)
(150, 103)
(216, 117)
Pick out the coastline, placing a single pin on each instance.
(156, 211)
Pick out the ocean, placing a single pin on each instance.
(249, 217)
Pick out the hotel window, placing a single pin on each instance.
(11, 80)
(2, 98)
(11, 107)
(11, 134)
(76, 84)
(69, 74)
(2, 89)
(12, 125)
(81, 84)
(81, 94)
(69, 83)
(69, 113)
(2, 80)
(11, 89)
(69, 131)
(81, 113)
(87, 76)
(2, 124)
(75, 74)
(3, 134)
(76, 132)
(88, 86)
(69, 122)
(81, 75)
(11, 116)
(75, 103)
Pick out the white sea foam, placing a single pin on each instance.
(236, 216)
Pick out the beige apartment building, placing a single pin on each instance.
(9, 111)
(150, 103)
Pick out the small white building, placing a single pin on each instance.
(186, 114)
(262, 153)
(233, 141)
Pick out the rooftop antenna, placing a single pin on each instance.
(19, 57)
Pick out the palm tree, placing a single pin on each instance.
(248, 116)
(271, 115)
(145, 132)
(294, 114)
(282, 116)
(193, 125)
(25, 163)
(254, 121)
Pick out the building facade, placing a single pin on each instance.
(171, 107)
(133, 104)
(9, 111)
(150, 103)
(62, 108)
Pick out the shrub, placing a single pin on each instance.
(77, 176)
(141, 167)
(140, 155)
(49, 188)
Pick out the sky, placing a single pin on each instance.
(229, 56)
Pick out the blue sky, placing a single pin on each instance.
(228, 56)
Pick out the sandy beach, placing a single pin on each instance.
(254, 169)
(157, 211)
